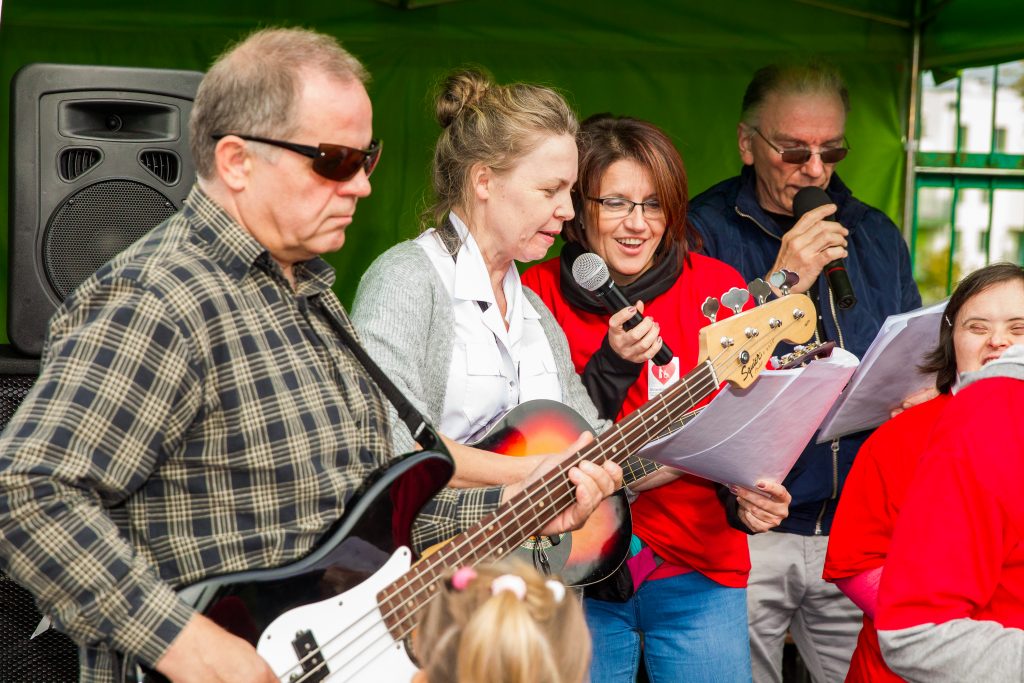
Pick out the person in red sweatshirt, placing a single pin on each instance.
(984, 316)
(684, 589)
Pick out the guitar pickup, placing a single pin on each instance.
(314, 669)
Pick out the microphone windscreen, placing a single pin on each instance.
(809, 198)
(590, 271)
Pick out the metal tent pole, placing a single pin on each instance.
(910, 145)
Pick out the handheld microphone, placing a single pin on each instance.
(591, 273)
(805, 200)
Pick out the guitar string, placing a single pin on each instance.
(389, 642)
(568, 493)
(702, 379)
(564, 499)
(640, 468)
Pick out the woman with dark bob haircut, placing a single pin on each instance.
(684, 587)
(984, 317)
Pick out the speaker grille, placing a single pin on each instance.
(51, 656)
(75, 161)
(162, 164)
(95, 224)
(13, 389)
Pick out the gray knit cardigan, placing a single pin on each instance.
(405, 319)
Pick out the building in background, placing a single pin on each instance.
(970, 175)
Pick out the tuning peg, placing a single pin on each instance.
(760, 290)
(783, 280)
(736, 299)
(710, 309)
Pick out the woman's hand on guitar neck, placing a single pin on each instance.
(593, 483)
(205, 653)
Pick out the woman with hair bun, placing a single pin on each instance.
(503, 623)
(445, 314)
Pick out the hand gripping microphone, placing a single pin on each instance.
(591, 273)
(805, 200)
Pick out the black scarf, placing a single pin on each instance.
(657, 280)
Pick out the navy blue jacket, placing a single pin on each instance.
(735, 229)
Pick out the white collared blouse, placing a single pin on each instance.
(493, 368)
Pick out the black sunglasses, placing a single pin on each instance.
(801, 155)
(334, 162)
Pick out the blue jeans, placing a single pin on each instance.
(694, 630)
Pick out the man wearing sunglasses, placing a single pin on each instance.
(195, 413)
(198, 412)
(791, 135)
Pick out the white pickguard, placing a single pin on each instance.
(349, 629)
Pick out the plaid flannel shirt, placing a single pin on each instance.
(193, 417)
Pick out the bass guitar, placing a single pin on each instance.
(344, 613)
(595, 550)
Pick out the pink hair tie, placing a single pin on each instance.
(511, 583)
(557, 589)
(462, 577)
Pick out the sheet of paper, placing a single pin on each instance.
(758, 432)
(887, 374)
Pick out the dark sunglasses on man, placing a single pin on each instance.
(334, 162)
(801, 155)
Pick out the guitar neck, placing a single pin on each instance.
(636, 468)
(503, 530)
(735, 349)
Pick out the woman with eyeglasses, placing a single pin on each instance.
(984, 317)
(445, 314)
(683, 588)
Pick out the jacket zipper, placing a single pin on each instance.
(835, 442)
(754, 221)
(835, 487)
(835, 317)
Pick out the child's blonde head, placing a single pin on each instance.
(504, 623)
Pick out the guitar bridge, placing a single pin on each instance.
(314, 669)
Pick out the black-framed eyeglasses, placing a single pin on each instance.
(334, 162)
(801, 155)
(620, 206)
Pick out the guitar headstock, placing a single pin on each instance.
(739, 346)
(801, 355)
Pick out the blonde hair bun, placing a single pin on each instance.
(461, 89)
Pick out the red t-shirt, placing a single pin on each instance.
(872, 497)
(683, 521)
(958, 548)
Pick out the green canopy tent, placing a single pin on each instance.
(680, 64)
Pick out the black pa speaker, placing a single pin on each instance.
(99, 156)
(25, 656)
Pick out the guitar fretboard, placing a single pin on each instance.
(505, 529)
(636, 468)
(744, 340)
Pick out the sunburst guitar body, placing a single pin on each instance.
(586, 555)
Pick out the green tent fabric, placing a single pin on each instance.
(683, 65)
(961, 33)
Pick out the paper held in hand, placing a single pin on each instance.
(759, 432)
(887, 374)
